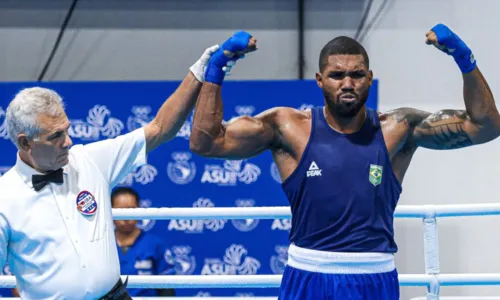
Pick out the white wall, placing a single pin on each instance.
(158, 40)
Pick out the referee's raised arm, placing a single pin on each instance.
(56, 223)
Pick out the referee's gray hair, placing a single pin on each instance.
(24, 110)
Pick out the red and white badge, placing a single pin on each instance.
(86, 204)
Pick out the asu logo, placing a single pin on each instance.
(245, 224)
(235, 262)
(181, 171)
(197, 226)
(244, 110)
(278, 262)
(144, 174)
(375, 176)
(241, 110)
(180, 257)
(146, 225)
(99, 124)
(230, 173)
(141, 117)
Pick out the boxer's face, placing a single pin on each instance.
(345, 82)
(50, 151)
(125, 201)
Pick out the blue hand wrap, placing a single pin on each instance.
(454, 46)
(237, 42)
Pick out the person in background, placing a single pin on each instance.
(140, 252)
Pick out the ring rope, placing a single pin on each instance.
(428, 213)
(273, 281)
(433, 280)
(283, 212)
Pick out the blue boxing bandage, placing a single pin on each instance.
(452, 45)
(236, 43)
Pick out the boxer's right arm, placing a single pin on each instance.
(240, 138)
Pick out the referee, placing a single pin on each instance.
(56, 224)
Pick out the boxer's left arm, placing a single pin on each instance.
(445, 129)
(175, 110)
(451, 129)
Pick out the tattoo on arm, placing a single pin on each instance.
(443, 130)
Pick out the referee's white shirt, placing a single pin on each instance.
(55, 251)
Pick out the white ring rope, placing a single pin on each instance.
(273, 281)
(432, 280)
(283, 212)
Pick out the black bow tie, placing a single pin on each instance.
(39, 181)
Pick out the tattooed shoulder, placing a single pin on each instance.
(409, 116)
(444, 129)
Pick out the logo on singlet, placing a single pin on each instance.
(375, 174)
(313, 170)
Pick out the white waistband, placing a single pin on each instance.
(339, 262)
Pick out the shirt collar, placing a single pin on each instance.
(26, 172)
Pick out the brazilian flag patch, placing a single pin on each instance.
(375, 174)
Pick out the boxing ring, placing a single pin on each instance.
(432, 280)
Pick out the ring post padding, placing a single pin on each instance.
(431, 242)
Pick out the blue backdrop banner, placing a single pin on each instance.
(174, 177)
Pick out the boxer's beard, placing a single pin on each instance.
(345, 109)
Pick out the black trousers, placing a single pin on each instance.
(118, 292)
